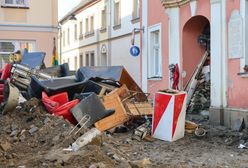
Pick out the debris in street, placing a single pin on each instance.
(190, 127)
(98, 116)
(200, 132)
(198, 88)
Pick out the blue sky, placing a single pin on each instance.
(65, 6)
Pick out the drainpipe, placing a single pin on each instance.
(144, 46)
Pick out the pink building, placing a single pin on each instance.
(172, 28)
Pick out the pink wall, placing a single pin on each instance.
(44, 41)
(237, 86)
(156, 14)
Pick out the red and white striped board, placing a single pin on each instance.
(169, 116)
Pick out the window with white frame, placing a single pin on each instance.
(155, 56)
(90, 58)
(81, 60)
(104, 19)
(15, 3)
(75, 32)
(87, 57)
(63, 38)
(117, 12)
(68, 36)
(91, 24)
(136, 9)
(87, 25)
(81, 28)
(75, 63)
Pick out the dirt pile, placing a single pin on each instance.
(30, 137)
(29, 134)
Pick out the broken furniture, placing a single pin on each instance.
(55, 86)
(90, 105)
(2, 83)
(112, 74)
(34, 60)
(10, 97)
(113, 101)
(60, 105)
(21, 74)
(169, 115)
(5, 74)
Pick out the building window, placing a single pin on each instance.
(68, 36)
(81, 59)
(87, 55)
(155, 60)
(104, 59)
(104, 19)
(91, 24)
(90, 59)
(81, 28)
(117, 13)
(75, 32)
(75, 62)
(15, 3)
(87, 25)
(136, 9)
(63, 38)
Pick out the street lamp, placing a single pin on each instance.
(73, 18)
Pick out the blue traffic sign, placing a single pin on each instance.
(134, 51)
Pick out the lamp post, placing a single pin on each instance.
(60, 42)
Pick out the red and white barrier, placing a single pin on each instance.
(169, 116)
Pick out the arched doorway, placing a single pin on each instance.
(195, 44)
(192, 51)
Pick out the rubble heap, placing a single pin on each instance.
(201, 98)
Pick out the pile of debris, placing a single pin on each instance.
(200, 100)
(95, 98)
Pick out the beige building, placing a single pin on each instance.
(30, 24)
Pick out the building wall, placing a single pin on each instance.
(132, 64)
(237, 85)
(38, 23)
(153, 19)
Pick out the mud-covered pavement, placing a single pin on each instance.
(30, 137)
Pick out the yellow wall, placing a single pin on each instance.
(40, 13)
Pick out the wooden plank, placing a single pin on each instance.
(190, 87)
(122, 92)
(112, 101)
(139, 109)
